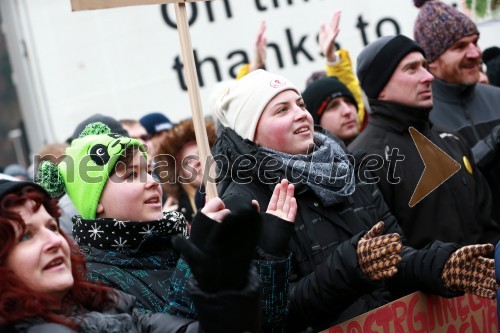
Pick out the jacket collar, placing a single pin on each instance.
(453, 93)
(399, 117)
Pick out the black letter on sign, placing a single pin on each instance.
(173, 24)
(233, 70)
(382, 21)
(361, 26)
(178, 66)
(295, 50)
(210, 12)
(260, 8)
(198, 64)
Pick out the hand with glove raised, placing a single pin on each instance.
(379, 255)
(469, 271)
(486, 149)
(222, 261)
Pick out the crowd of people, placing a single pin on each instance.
(112, 232)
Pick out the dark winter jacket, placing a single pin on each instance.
(136, 257)
(458, 210)
(184, 205)
(236, 311)
(472, 111)
(154, 273)
(329, 285)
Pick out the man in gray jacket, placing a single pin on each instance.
(449, 39)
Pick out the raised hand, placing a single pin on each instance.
(283, 203)
(469, 271)
(260, 49)
(379, 255)
(328, 34)
(215, 209)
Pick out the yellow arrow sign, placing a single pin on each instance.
(438, 167)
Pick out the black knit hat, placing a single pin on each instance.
(321, 92)
(11, 186)
(379, 59)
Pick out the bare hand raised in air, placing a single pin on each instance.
(283, 203)
(327, 35)
(259, 56)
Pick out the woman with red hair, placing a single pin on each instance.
(43, 285)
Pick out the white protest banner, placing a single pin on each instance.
(189, 74)
(125, 62)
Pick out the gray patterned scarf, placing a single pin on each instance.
(327, 171)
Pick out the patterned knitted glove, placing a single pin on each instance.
(468, 271)
(378, 255)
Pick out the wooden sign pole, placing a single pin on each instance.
(194, 99)
(190, 75)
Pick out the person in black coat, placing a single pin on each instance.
(459, 209)
(44, 288)
(337, 271)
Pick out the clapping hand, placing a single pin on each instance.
(283, 203)
(379, 255)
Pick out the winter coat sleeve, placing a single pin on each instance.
(344, 72)
(49, 328)
(231, 310)
(484, 200)
(273, 264)
(161, 322)
(275, 275)
(318, 297)
(178, 301)
(419, 269)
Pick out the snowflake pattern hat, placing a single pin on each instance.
(86, 168)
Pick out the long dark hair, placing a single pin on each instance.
(17, 301)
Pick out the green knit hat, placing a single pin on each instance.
(86, 168)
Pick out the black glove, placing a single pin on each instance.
(222, 261)
(486, 149)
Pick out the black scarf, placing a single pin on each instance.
(128, 236)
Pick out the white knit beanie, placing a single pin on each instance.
(239, 107)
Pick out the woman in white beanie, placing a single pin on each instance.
(339, 270)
